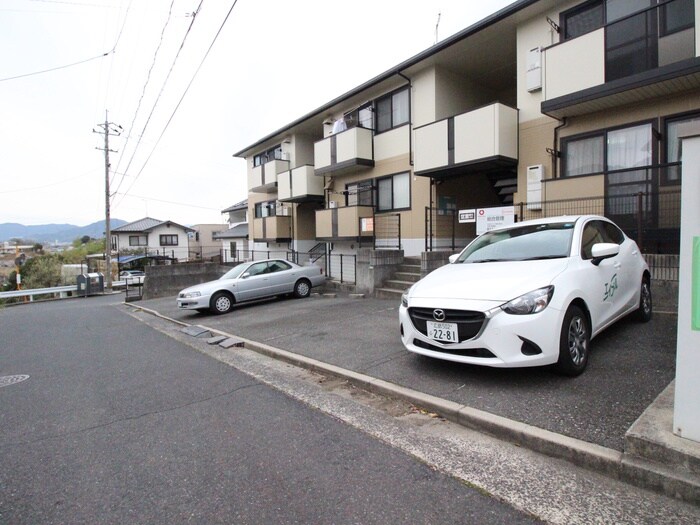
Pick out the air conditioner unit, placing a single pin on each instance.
(535, 174)
(332, 204)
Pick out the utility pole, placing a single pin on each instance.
(108, 129)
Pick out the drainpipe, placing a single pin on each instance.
(555, 151)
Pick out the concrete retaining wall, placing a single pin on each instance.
(374, 267)
(168, 280)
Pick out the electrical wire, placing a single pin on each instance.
(52, 183)
(148, 79)
(194, 76)
(57, 68)
(155, 104)
(169, 202)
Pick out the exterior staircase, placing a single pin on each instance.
(406, 274)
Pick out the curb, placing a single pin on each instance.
(609, 462)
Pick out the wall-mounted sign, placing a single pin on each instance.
(488, 219)
(466, 216)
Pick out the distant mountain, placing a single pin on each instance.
(54, 232)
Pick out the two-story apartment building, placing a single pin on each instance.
(543, 108)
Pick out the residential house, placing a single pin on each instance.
(543, 108)
(203, 242)
(234, 241)
(152, 237)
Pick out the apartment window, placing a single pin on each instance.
(394, 193)
(359, 193)
(672, 174)
(392, 110)
(610, 150)
(585, 156)
(265, 209)
(274, 153)
(168, 240)
(677, 15)
(138, 240)
(583, 19)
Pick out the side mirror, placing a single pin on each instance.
(453, 257)
(245, 275)
(604, 250)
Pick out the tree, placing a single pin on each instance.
(85, 239)
(42, 272)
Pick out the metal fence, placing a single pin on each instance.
(387, 231)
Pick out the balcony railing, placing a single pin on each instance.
(483, 137)
(590, 72)
(349, 222)
(277, 228)
(263, 178)
(299, 185)
(344, 152)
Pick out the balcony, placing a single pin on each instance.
(345, 152)
(299, 185)
(277, 228)
(347, 223)
(481, 139)
(263, 178)
(645, 55)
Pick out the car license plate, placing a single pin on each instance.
(445, 332)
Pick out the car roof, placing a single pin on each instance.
(551, 220)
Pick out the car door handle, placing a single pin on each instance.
(617, 265)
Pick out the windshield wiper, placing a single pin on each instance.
(488, 260)
(542, 257)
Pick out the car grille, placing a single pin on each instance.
(468, 322)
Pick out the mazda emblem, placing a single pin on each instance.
(438, 314)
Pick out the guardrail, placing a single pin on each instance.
(60, 291)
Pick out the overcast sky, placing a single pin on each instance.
(272, 62)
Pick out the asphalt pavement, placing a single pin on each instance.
(115, 422)
(630, 365)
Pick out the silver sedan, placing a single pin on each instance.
(250, 281)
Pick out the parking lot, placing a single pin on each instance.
(630, 364)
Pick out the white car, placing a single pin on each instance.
(250, 281)
(530, 294)
(132, 276)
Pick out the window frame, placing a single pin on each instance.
(393, 193)
(671, 119)
(271, 206)
(565, 15)
(565, 141)
(390, 98)
(138, 238)
(360, 187)
(164, 236)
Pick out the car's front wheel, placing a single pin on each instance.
(643, 313)
(221, 303)
(574, 342)
(302, 288)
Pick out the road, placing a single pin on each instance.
(119, 423)
(126, 419)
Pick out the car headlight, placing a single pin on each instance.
(529, 303)
(190, 295)
(404, 300)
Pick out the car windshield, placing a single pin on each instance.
(235, 272)
(526, 243)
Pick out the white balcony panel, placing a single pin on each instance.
(255, 177)
(392, 143)
(431, 146)
(322, 153)
(575, 65)
(486, 132)
(299, 184)
(355, 143)
(284, 186)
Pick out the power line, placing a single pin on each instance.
(169, 202)
(57, 68)
(155, 104)
(182, 97)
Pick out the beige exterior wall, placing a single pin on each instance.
(535, 137)
(392, 143)
(423, 97)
